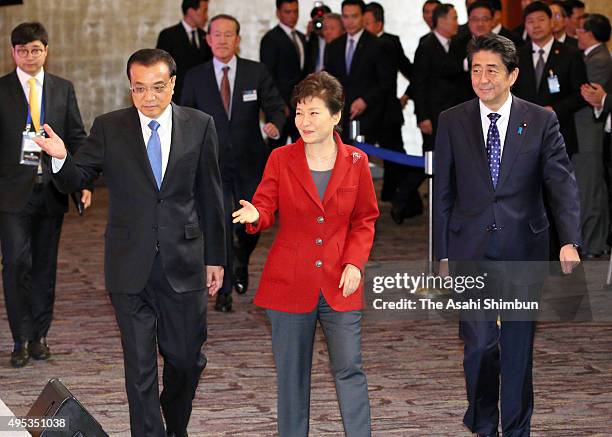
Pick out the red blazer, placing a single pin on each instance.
(315, 239)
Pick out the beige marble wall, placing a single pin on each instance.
(90, 41)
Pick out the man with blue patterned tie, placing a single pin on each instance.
(165, 237)
(495, 157)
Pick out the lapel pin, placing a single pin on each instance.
(356, 157)
(520, 128)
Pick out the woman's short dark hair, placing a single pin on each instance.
(497, 44)
(149, 57)
(599, 25)
(26, 33)
(322, 85)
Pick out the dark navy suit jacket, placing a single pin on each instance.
(534, 162)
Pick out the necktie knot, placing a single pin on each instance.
(541, 52)
(225, 70)
(153, 125)
(493, 117)
(32, 81)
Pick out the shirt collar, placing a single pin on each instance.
(355, 37)
(188, 28)
(379, 34)
(504, 111)
(546, 47)
(231, 64)
(497, 28)
(443, 40)
(590, 49)
(286, 28)
(562, 37)
(24, 77)
(164, 119)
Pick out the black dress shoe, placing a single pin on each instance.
(173, 434)
(223, 303)
(39, 350)
(488, 435)
(397, 216)
(20, 357)
(241, 280)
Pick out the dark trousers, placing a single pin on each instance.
(238, 244)
(494, 355)
(292, 343)
(176, 323)
(29, 241)
(400, 182)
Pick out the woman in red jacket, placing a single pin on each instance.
(323, 192)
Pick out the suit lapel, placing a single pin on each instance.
(514, 140)
(299, 167)
(48, 97)
(475, 141)
(341, 167)
(239, 85)
(210, 80)
(177, 142)
(136, 144)
(21, 103)
(358, 55)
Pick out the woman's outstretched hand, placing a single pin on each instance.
(247, 214)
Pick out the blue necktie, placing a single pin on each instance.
(493, 148)
(349, 54)
(154, 152)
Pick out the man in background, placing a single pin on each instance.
(574, 10)
(283, 52)
(234, 91)
(31, 207)
(498, 27)
(559, 21)
(358, 60)
(186, 41)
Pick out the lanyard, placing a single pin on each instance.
(42, 113)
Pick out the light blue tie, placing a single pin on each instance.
(349, 54)
(154, 152)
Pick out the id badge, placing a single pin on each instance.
(31, 153)
(249, 96)
(553, 84)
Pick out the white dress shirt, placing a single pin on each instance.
(562, 37)
(536, 55)
(497, 29)
(443, 40)
(502, 122)
(321, 55)
(231, 75)
(289, 32)
(23, 80)
(164, 131)
(190, 29)
(355, 39)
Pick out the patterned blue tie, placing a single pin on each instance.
(349, 54)
(154, 152)
(493, 148)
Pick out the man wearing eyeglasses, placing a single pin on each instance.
(31, 208)
(165, 237)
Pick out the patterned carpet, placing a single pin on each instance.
(414, 368)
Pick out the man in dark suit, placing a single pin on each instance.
(315, 42)
(498, 28)
(400, 183)
(464, 29)
(592, 39)
(234, 91)
(437, 71)
(520, 29)
(283, 52)
(165, 239)
(186, 41)
(575, 11)
(357, 59)
(495, 156)
(31, 208)
(551, 72)
(558, 22)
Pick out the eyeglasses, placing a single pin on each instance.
(158, 88)
(35, 52)
(479, 19)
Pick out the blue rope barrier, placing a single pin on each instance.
(391, 155)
